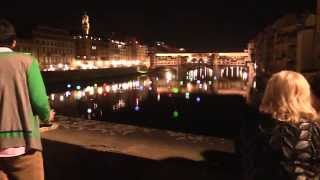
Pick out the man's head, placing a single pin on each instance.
(7, 34)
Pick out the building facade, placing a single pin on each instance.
(51, 46)
(289, 43)
(56, 49)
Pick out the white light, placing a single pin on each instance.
(66, 67)
(198, 81)
(68, 93)
(51, 68)
(198, 99)
(69, 86)
(158, 97)
(205, 86)
(61, 98)
(89, 110)
(60, 66)
(244, 75)
(168, 76)
(125, 86)
(78, 87)
(95, 106)
(91, 91)
(52, 97)
(187, 95)
(114, 87)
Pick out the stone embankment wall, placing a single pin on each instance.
(85, 149)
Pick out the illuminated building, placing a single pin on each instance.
(142, 55)
(49, 46)
(56, 49)
(102, 52)
(136, 50)
(128, 49)
(117, 50)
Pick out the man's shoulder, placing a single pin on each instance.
(17, 58)
(24, 58)
(23, 55)
(16, 55)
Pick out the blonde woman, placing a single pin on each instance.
(288, 142)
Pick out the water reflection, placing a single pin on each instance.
(164, 91)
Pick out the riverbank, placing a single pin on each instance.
(84, 149)
(51, 77)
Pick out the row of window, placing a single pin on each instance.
(47, 60)
(54, 43)
(46, 50)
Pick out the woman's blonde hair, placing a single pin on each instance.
(288, 98)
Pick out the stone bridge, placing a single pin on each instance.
(228, 64)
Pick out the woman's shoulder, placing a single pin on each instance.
(295, 129)
(289, 136)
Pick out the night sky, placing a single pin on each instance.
(222, 25)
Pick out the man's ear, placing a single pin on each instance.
(14, 43)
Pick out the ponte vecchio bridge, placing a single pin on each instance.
(229, 64)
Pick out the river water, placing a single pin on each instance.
(201, 101)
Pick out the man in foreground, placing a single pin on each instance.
(23, 104)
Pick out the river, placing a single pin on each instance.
(199, 102)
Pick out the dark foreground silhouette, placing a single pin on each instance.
(67, 162)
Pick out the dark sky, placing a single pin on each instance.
(218, 25)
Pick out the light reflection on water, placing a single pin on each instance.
(164, 95)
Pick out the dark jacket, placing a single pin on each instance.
(281, 150)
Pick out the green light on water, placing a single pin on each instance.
(175, 114)
(175, 90)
